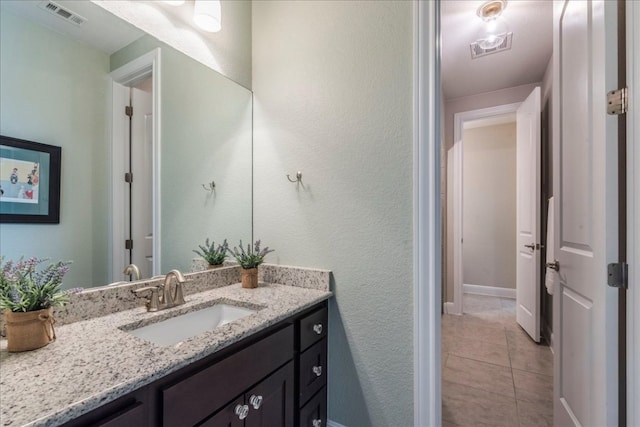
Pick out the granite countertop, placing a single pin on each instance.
(94, 361)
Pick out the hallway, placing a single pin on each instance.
(493, 374)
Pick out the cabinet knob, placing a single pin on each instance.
(317, 328)
(256, 401)
(317, 422)
(242, 411)
(317, 370)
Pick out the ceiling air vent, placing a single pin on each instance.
(477, 51)
(62, 13)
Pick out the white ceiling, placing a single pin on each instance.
(526, 61)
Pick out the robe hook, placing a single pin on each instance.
(210, 187)
(298, 177)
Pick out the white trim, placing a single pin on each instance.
(128, 75)
(459, 120)
(448, 308)
(492, 291)
(334, 424)
(633, 214)
(427, 398)
(457, 162)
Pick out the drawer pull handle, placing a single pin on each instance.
(317, 422)
(242, 411)
(256, 401)
(317, 328)
(317, 370)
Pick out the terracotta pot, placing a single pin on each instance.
(250, 277)
(29, 330)
(214, 266)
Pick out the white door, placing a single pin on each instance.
(585, 188)
(528, 215)
(142, 168)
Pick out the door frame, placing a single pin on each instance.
(633, 211)
(459, 119)
(427, 220)
(147, 65)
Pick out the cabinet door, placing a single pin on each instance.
(232, 415)
(313, 370)
(314, 413)
(271, 401)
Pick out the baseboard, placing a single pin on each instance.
(334, 424)
(491, 291)
(448, 307)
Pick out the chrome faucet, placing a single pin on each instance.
(167, 299)
(132, 270)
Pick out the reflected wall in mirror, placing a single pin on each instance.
(56, 89)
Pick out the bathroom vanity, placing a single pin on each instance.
(276, 377)
(268, 368)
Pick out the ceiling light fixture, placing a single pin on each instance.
(495, 28)
(207, 15)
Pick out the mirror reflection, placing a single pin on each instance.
(187, 146)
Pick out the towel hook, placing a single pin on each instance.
(210, 187)
(298, 177)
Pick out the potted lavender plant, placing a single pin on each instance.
(249, 260)
(212, 255)
(28, 297)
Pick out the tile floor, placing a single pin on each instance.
(493, 374)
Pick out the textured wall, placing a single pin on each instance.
(489, 206)
(459, 105)
(53, 91)
(227, 51)
(333, 99)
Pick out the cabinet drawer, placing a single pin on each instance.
(314, 413)
(313, 370)
(203, 393)
(313, 328)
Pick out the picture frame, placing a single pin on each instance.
(29, 182)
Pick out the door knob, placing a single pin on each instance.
(555, 265)
(531, 246)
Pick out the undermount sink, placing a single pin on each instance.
(179, 328)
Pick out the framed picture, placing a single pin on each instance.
(29, 182)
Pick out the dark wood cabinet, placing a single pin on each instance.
(274, 378)
(192, 399)
(270, 403)
(312, 369)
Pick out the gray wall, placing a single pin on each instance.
(53, 91)
(489, 206)
(333, 99)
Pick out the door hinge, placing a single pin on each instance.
(128, 177)
(128, 110)
(128, 244)
(618, 101)
(618, 275)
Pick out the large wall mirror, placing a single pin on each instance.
(58, 89)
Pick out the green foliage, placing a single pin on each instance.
(23, 288)
(211, 254)
(252, 257)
